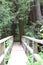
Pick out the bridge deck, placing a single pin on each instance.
(18, 56)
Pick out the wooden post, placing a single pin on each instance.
(35, 50)
(2, 51)
(1, 48)
(28, 43)
(2, 63)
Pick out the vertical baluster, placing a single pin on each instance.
(28, 43)
(2, 52)
(11, 43)
(35, 50)
(35, 47)
(23, 40)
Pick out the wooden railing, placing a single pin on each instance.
(3, 50)
(42, 17)
(27, 42)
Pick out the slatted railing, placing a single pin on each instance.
(26, 43)
(3, 50)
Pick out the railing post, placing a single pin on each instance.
(1, 48)
(11, 42)
(22, 42)
(35, 50)
(2, 52)
(28, 43)
(35, 47)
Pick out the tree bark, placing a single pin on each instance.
(21, 29)
(38, 10)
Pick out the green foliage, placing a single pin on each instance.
(40, 33)
(7, 43)
(41, 1)
(24, 9)
(37, 63)
(18, 11)
(5, 17)
(41, 55)
(21, 9)
(7, 56)
(29, 34)
(28, 63)
(30, 59)
(34, 30)
(27, 30)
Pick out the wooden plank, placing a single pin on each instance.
(8, 48)
(2, 63)
(3, 40)
(33, 50)
(2, 48)
(18, 56)
(1, 58)
(33, 39)
(2, 54)
(28, 41)
(28, 47)
(36, 56)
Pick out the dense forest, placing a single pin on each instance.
(22, 17)
(27, 12)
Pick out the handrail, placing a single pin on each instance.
(5, 50)
(3, 40)
(33, 39)
(26, 45)
(36, 56)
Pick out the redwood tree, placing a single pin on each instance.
(38, 10)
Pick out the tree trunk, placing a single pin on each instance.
(21, 28)
(38, 10)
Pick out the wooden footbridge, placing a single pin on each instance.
(19, 51)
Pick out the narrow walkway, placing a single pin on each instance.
(18, 56)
